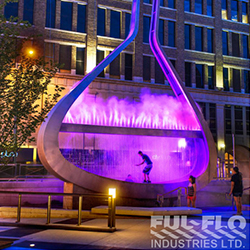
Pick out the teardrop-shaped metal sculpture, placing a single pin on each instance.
(48, 145)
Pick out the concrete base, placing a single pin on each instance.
(147, 211)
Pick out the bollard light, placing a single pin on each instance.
(112, 191)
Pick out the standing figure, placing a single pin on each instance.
(147, 168)
(191, 191)
(237, 189)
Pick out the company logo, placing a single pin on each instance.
(211, 232)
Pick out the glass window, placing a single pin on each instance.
(236, 80)
(28, 7)
(171, 34)
(210, 40)
(81, 18)
(146, 69)
(115, 24)
(66, 16)
(146, 27)
(235, 44)
(225, 79)
(80, 54)
(188, 74)
(187, 5)
(203, 109)
(101, 22)
(245, 46)
(51, 14)
(11, 9)
(114, 68)
(65, 58)
(198, 6)
(171, 4)
(127, 23)
(147, 1)
(211, 77)
(199, 76)
(161, 31)
(187, 36)
(234, 10)
(162, 3)
(49, 52)
(248, 120)
(128, 67)
(224, 9)
(238, 120)
(228, 122)
(159, 75)
(198, 38)
(246, 76)
(225, 42)
(99, 58)
(212, 120)
(210, 7)
(244, 12)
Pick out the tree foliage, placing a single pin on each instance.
(24, 97)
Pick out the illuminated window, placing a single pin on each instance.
(115, 24)
(244, 12)
(224, 9)
(28, 7)
(66, 16)
(51, 14)
(81, 18)
(234, 10)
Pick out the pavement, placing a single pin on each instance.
(215, 228)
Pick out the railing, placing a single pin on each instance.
(111, 205)
(231, 198)
(160, 197)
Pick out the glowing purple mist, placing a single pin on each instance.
(153, 111)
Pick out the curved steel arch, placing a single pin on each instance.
(48, 146)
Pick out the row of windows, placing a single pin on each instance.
(233, 79)
(236, 113)
(239, 42)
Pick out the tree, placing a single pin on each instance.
(22, 88)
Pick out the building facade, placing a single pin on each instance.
(207, 42)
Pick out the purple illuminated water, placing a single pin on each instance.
(152, 111)
(115, 156)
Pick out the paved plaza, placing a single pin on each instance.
(213, 229)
